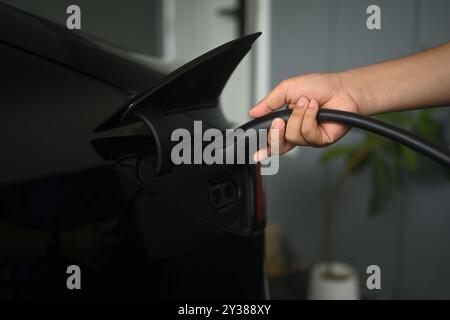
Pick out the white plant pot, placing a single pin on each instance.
(333, 281)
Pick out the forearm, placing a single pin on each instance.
(21, 244)
(415, 81)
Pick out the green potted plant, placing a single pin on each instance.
(388, 162)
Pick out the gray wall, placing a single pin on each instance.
(132, 24)
(411, 239)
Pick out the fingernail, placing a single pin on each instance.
(302, 102)
(277, 123)
(312, 104)
(260, 155)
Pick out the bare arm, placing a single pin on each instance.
(416, 81)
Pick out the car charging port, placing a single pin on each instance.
(223, 194)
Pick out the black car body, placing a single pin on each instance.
(62, 97)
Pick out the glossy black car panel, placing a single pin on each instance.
(57, 88)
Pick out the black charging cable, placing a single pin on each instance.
(384, 129)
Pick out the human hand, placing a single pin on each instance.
(92, 245)
(306, 95)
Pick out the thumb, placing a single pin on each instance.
(274, 100)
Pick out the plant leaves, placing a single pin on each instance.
(360, 155)
(426, 126)
(336, 152)
(410, 158)
(388, 161)
(382, 184)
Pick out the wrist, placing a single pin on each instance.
(357, 90)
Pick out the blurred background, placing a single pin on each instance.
(401, 227)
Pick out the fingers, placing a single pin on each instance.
(280, 146)
(260, 155)
(287, 136)
(310, 129)
(276, 139)
(274, 100)
(301, 129)
(294, 124)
